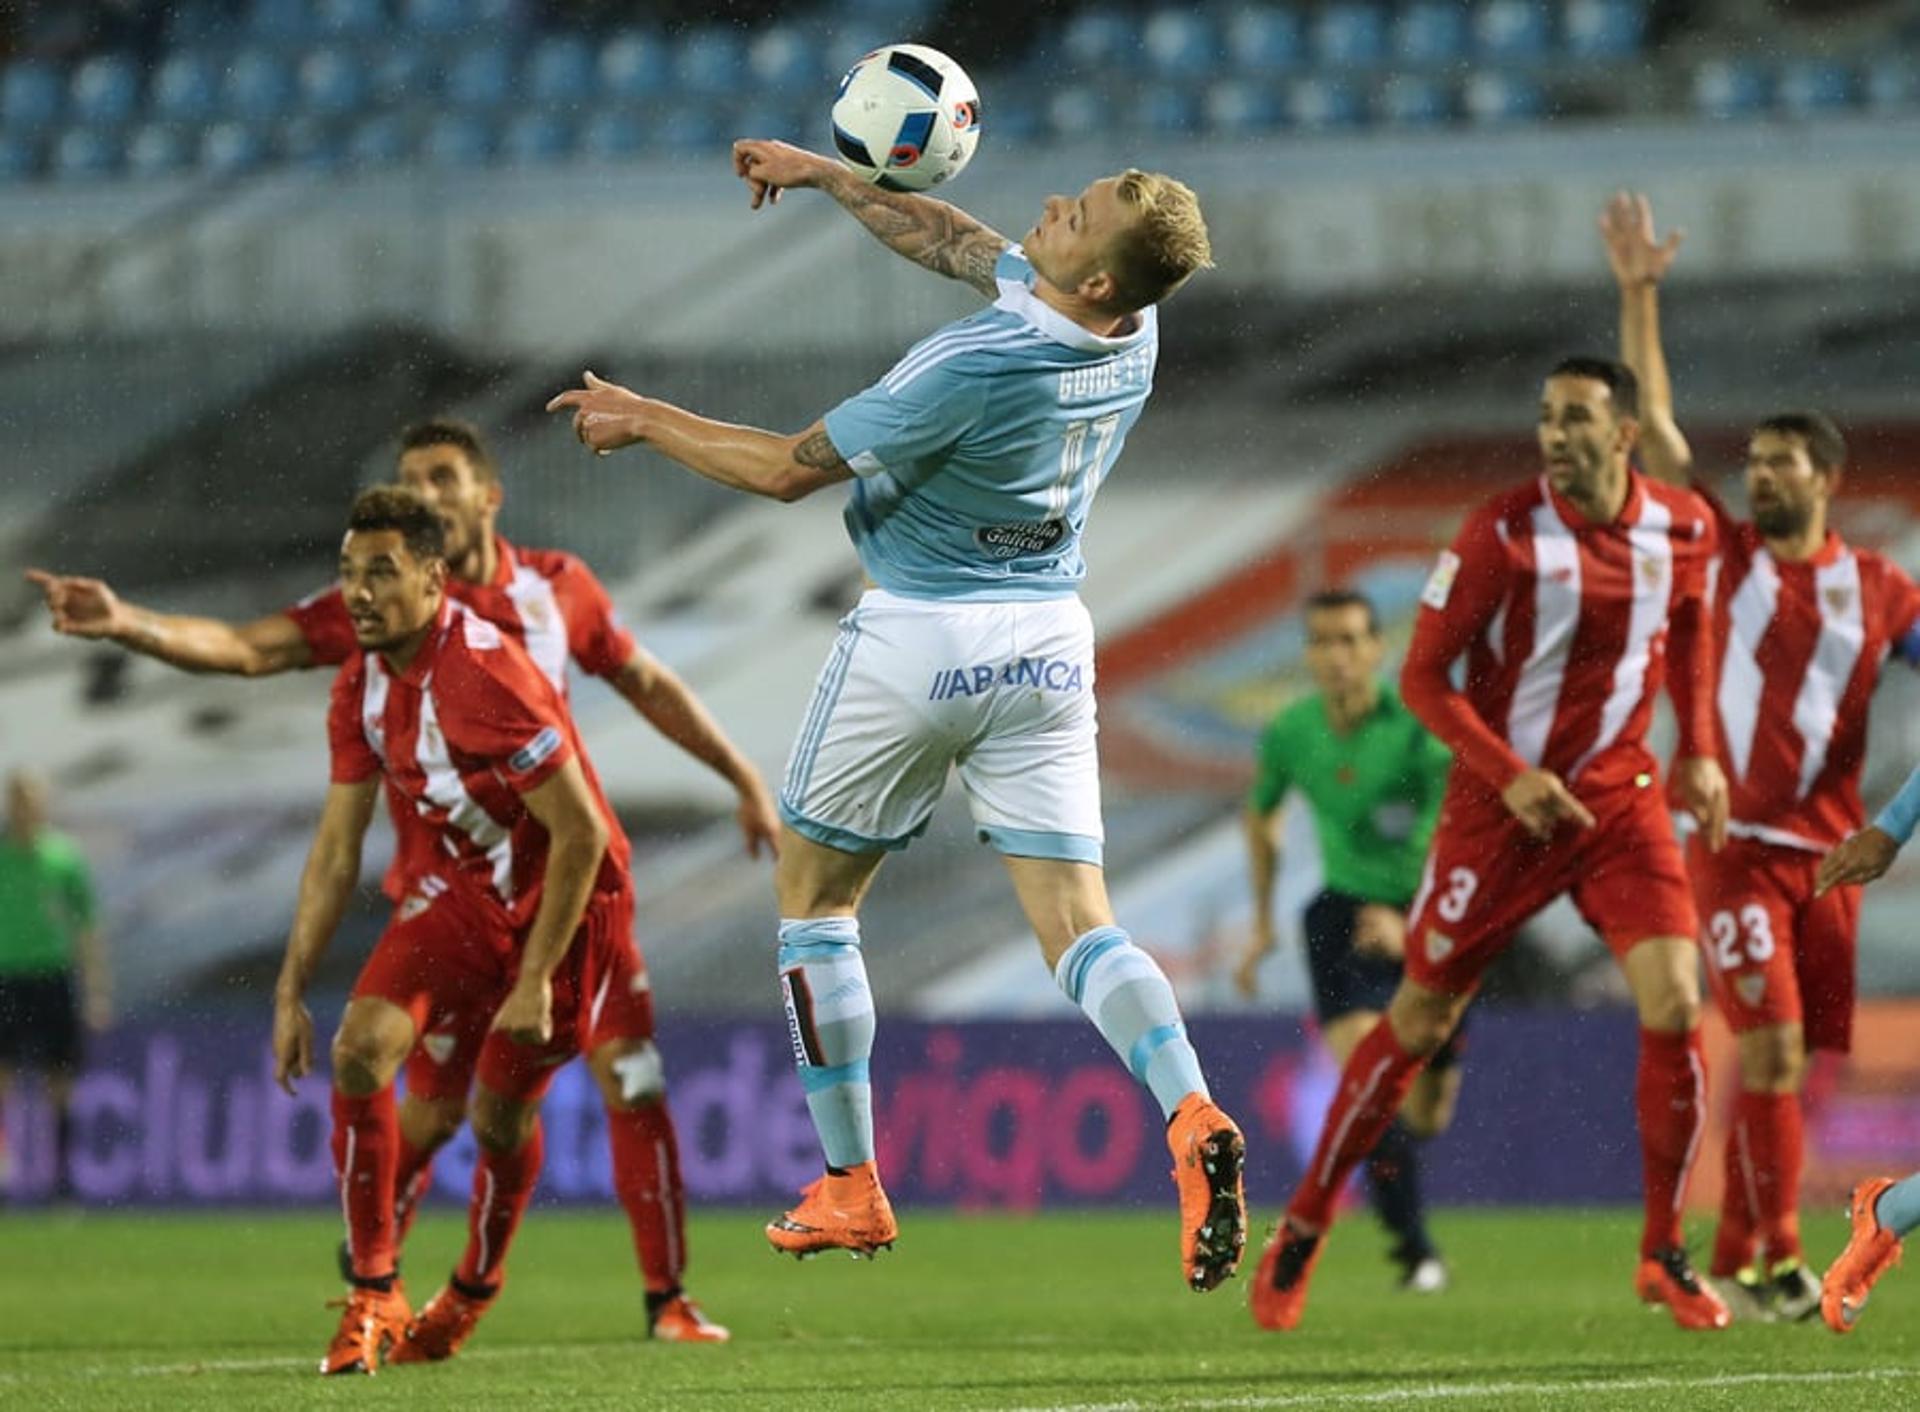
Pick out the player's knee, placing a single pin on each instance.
(364, 1059)
(431, 1122)
(1773, 1060)
(500, 1124)
(630, 1073)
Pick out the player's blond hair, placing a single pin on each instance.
(1164, 243)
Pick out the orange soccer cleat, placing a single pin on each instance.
(373, 1321)
(840, 1211)
(680, 1320)
(443, 1324)
(1208, 1157)
(1668, 1278)
(1279, 1294)
(1870, 1252)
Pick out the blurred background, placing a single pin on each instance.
(246, 240)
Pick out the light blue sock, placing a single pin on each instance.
(830, 1021)
(1128, 999)
(1898, 1209)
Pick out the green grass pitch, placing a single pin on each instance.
(1062, 1310)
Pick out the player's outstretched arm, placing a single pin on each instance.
(577, 840)
(1639, 263)
(935, 235)
(671, 707)
(333, 868)
(1263, 867)
(1868, 854)
(608, 417)
(83, 607)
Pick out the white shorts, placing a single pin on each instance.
(1002, 692)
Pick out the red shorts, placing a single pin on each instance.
(600, 994)
(1486, 875)
(1775, 952)
(447, 960)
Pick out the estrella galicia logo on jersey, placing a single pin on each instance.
(1016, 541)
(1039, 673)
(534, 751)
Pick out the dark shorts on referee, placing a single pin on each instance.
(39, 1023)
(1345, 979)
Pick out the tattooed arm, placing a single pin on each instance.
(933, 234)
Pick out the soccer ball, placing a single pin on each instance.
(906, 118)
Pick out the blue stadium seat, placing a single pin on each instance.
(1807, 88)
(441, 17)
(19, 158)
(158, 149)
(1077, 110)
(1350, 36)
(1096, 43)
(633, 66)
(350, 19)
(1430, 34)
(1164, 109)
(560, 74)
(1014, 118)
(1263, 39)
(691, 126)
(105, 90)
(481, 79)
(29, 96)
(710, 62)
(1180, 44)
(612, 135)
(771, 115)
(1604, 29)
(404, 73)
(228, 149)
(1320, 104)
(258, 88)
(1491, 97)
(85, 154)
(333, 81)
(1512, 31)
(1413, 100)
(1236, 108)
(1725, 89)
(782, 58)
(279, 22)
(1889, 84)
(381, 141)
(198, 22)
(536, 140)
(186, 87)
(457, 140)
(310, 141)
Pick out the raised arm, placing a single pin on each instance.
(933, 234)
(1639, 263)
(83, 607)
(333, 868)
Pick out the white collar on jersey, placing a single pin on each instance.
(1017, 298)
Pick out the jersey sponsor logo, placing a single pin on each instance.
(1127, 373)
(1440, 582)
(534, 751)
(1439, 947)
(1017, 540)
(439, 1047)
(1750, 987)
(1039, 673)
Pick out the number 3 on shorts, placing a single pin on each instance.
(1462, 883)
(1725, 929)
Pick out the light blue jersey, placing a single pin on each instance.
(979, 454)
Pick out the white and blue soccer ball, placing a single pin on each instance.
(906, 118)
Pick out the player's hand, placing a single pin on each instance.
(770, 167)
(1542, 803)
(1700, 787)
(1636, 256)
(526, 1016)
(1379, 930)
(1246, 976)
(759, 821)
(292, 1041)
(606, 416)
(1860, 858)
(80, 607)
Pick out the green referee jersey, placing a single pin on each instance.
(46, 901)
(1374, 791)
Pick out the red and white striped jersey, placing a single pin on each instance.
(1801, 648)
(468, 727)
(1565, 627)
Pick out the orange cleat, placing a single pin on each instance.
(443, 1324)
(1208, 1157)
(1668, 1278)
(373, 1321)
(1279, 1293)
(1870, 1252)
(680, 1320)
(838, 1212)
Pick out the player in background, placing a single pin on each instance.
(974, 462)
(557, 609)
(1372, 777)
(1804, 623)
(53, 969)
(1882, 1210)
(1567, 597)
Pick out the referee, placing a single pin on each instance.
(50, 961)
(1372, 777)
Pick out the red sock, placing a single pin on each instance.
(1733, 1240)
(1671, 1099)
(366, 1141)
(1773, 1130)
(1372, 1086)
(502, 1186)
(412, 1176)
(646, 1178)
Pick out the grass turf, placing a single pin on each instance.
(1062, 1310)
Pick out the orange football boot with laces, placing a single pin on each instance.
(680, 1320)
(1279, 1294)
(1208, 1157)
(1870, 1252)
(443, 1324)
(1668, 1278)
(838, 1212)
(372, 1322)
